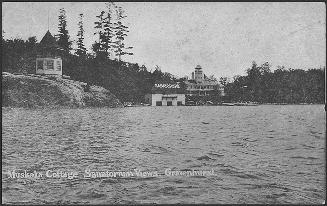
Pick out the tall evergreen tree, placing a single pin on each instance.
(121, 32)
(99, 26)
(105, 30)
(81, 50)
(63, 36)
(108, 28)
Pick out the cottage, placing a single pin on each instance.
(48, 60)
(166, 94)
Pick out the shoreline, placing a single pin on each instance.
(106, 107)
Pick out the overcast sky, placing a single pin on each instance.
(223, 37)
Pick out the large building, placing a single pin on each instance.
(166, 94)
(200, 85)
(48, 60)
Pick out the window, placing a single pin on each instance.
(39, 65)
(169, 103)
(58, 65)
(158, 103)
(179, 103)
(49, 64)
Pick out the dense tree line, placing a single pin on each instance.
(128, 81)
(19, 55)
(104, 66)
(282, 85)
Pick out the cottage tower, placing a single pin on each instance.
(48, 61)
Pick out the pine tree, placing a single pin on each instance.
(108, 30)
(63, 36)
(98, 45)
(105, 30)
(121, 32)
(81, 50)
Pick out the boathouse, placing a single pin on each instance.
(166, 94)
(48, 61)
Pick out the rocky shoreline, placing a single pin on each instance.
(37, 91)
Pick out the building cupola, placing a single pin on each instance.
(198, 73)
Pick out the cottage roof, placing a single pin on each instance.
(49, 41)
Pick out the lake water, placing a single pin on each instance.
(262, 154)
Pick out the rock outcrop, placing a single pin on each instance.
(50, 91)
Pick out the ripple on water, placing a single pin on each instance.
(260, 154)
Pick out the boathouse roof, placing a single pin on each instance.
(166, 88)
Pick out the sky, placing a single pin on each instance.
(223, 37)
